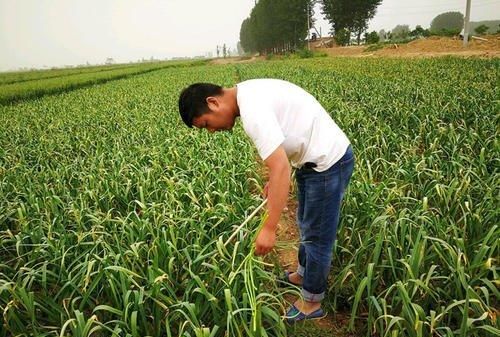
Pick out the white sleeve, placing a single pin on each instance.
(264, 130)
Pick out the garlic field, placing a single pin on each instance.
(114, 215)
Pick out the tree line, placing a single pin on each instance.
(282, 25)
(276, 26)
(279, 26)
(445, 24)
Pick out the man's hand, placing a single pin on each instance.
(276, 192)
(265, 241)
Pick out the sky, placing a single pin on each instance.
(47, 33)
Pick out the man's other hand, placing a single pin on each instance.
(265, 241)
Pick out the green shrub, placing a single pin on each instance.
(374, 47)
(305, 53)
(342, 37)
(372, 38)
(446, 32)
(270, 56)
(481, 29)
(320, 54)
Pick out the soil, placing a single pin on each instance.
(439, 46)
(288, 233)
(288, 236)
(238, 59)
(427, 47)
(433, 46)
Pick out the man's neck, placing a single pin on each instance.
(232, 97)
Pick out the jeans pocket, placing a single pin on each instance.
(347, 161)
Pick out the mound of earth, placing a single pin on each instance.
(488, 46)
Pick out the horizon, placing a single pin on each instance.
(57, 34)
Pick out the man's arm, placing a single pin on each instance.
(277, 195)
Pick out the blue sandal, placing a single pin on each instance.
(295, 315)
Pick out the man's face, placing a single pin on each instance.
(219, 116)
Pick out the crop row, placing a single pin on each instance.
(35, 75)
(76, 78)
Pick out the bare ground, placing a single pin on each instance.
(433, 46)
(288, 240)
(441, 46)
(237, 59)
(288, 233)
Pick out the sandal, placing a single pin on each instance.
(295, 315)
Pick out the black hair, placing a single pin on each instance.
(193, 100)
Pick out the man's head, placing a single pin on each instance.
(208, 106)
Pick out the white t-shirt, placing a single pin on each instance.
(275, 112)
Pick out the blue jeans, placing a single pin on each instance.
(320, 196)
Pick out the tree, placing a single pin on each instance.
(382, 35)
(420, 32)
(247, 36)
(239, 48)
(480, 30)
(224, 50)
(276, 26)
(342, 37)
(401, 32)
(372, 38)
(350, 15)
(449, 23)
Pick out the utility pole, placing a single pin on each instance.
(309, 27)
(466, 23)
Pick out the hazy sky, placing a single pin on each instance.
(37, 33)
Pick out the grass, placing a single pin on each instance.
(374, 47)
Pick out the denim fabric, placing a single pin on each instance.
(320, 196)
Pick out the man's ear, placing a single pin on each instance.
(212, 103)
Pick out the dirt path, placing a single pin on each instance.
(237, 59)
(288, 234)
(433, 46)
